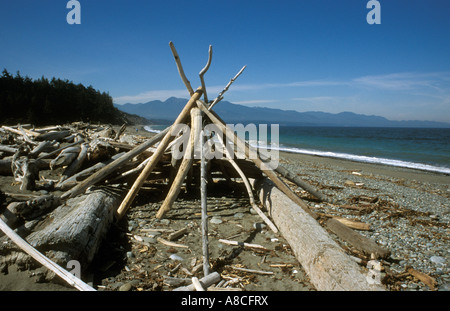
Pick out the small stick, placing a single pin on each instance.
(177, 234)
(168, 243)
(236, 243)
(252, 271)
(180, 69)
(220, 96)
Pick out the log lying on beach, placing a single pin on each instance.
(74, 230)
(326, 263)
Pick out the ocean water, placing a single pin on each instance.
(417, 148)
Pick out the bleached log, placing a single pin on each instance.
(327, 265)
(8, 149)
(66, 157)
(76, 164)
(77, 227)
(185, 165)
(301, 183)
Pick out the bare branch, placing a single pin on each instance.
(220, 97)
(203, 71)
(180, 69)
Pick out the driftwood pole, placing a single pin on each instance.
(156, 157)
(186, 164)
(204, 205)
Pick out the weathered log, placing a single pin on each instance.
(325, 262)
(54, 135)
(66, 157)
(366, 245)
(28, 210)
(74, 230)
(301, 183)
(8, 149)
(43, 146)
(76, 164)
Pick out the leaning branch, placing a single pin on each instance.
(220, 97)
(180, 69)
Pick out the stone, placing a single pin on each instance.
(438, 260)
(216, 220)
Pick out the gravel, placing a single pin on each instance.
(410, 217)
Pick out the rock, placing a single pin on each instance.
(239, 215)
(438, 260)
(349, 183)
(125, 287)
(176, 257)
(216, 220)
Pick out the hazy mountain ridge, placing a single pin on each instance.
(234, 113)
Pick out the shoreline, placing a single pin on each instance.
(373, 168)
(383, 168)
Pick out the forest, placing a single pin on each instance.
(55, 101)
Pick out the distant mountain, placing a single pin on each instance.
(233, 113)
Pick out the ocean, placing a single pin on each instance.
(425, 149)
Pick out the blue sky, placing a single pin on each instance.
(302, 55)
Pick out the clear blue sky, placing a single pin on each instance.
(304, 55)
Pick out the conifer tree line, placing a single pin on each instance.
(55, 101)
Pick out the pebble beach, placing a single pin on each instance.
(413, 224)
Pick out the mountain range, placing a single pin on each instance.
(166, 111)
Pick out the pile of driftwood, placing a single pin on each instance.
(102, 171)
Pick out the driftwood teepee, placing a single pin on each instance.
(326, 263)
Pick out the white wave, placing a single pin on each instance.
(366, 159)
(149, 129)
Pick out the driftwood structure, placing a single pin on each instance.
(101, 176)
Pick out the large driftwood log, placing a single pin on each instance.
(74, 230)
(326, 263)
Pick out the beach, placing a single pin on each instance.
(407, 211)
